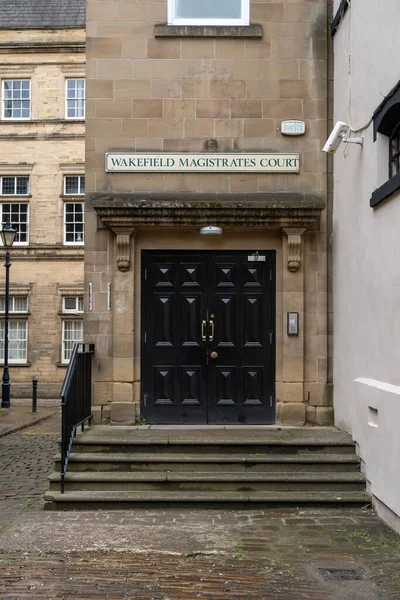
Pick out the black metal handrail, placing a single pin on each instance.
(76, 400)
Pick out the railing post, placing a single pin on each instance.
(76, 403)
(34, 395)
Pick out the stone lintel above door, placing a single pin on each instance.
(264, 210)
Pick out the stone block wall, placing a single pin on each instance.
(45, 148)
(185, 94)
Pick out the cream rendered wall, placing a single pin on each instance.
(366, 249)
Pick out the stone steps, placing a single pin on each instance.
(124, 461)
(120, 467)
(213, 482)
(229, 447)
(130, 499)
(230, 441)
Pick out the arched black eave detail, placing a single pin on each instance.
(386, 120)
(387, 115)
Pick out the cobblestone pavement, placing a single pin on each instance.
(291, 554)
(26, 459)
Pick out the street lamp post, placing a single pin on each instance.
(7, 237)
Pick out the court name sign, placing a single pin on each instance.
(132, 162)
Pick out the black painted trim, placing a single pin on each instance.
(385, 191)
(337, 19)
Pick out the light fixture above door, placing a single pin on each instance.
(211, 230)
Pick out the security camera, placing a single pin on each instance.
(340, 133)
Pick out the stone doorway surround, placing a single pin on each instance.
(287, 222)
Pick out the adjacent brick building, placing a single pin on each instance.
(167, 308)
(42, 176)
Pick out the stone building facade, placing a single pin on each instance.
(165, 83)
(42, 175)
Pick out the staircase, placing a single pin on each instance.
(123, 467)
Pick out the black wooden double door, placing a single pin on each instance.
(208, 337)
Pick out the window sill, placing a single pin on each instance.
(13, 365)
(61, 364)
(43, 121)
(16, 120)
(163, 30)
(12, 197)
(386, 190)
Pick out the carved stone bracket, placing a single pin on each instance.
(294, 248)
(123, 246)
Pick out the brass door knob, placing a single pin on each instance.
(214, 355)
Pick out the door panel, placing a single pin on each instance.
(190, 319)
(244, 337)
(253, 320)
(173, 355)
(208, 324)
(164, 320)
(224, 321)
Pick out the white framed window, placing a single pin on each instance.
(72, 331)
(18, 216)
(74, 223)
(72, 304)
(11, 185)
(208, 12)
(75, 93)
(17, 341)
(17, 304)
(16, 95)
(74, 185)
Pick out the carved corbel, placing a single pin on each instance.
(123, 247)
(294, 248)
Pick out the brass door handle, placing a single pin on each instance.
(214, 355)
(211, 338)
(203, 331)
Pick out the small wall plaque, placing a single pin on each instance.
(293, 127)
(292, 323)
(256, 257)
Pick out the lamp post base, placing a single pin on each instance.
(5, 389)
(5, 397)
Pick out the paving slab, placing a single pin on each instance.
(321, 554)
(222, 435)
(19, 415)
(173, 554)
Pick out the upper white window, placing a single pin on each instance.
(17, 341)
(17, 304)
(75, 99)
(18, 216)
(74, 223)
(14, 186)
(16, 95)
(73, 304)
(208, 12)
(74, 185)
(72, 332)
